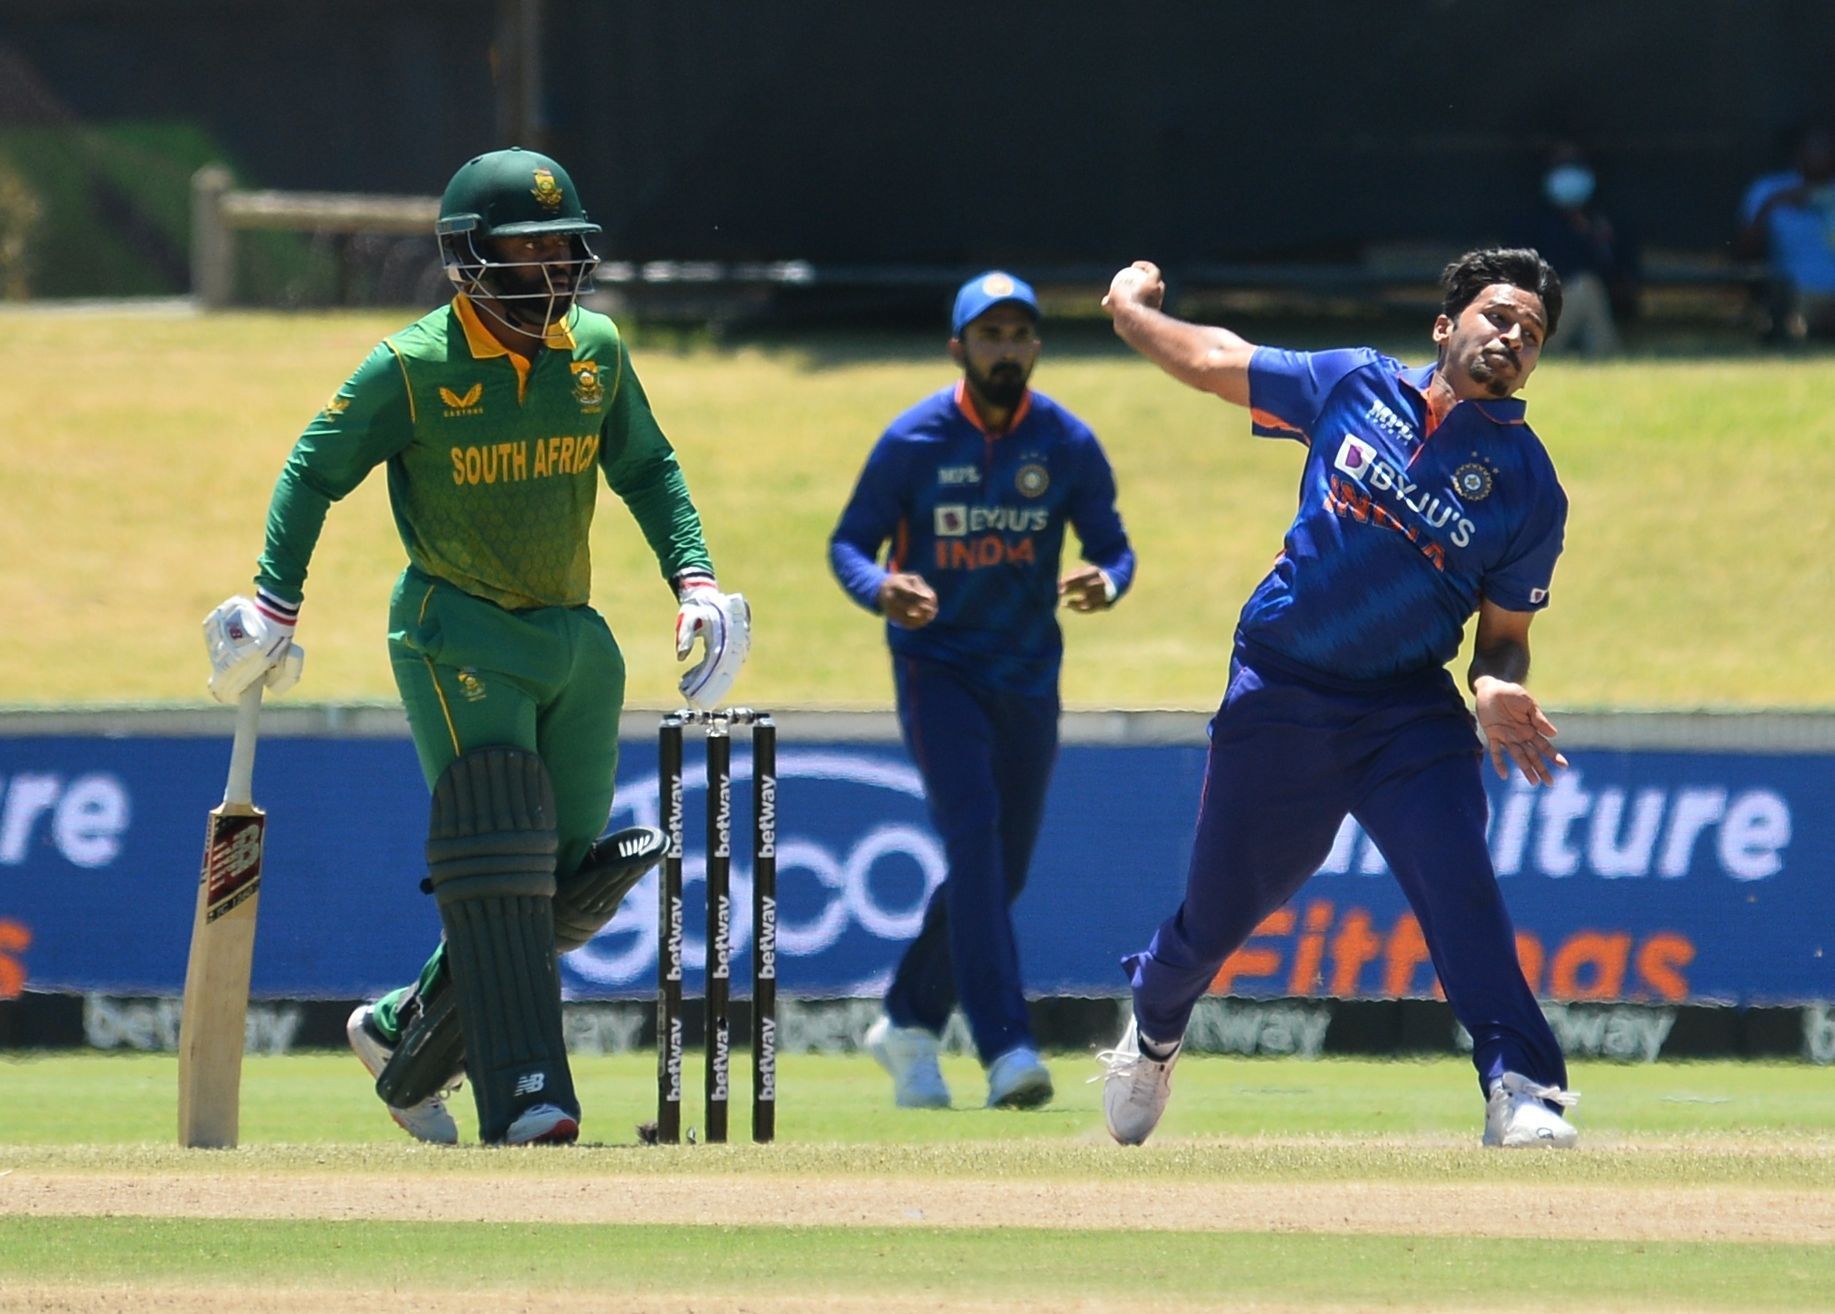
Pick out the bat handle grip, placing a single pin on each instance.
(241, 785)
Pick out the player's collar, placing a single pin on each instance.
(483, 342)
(966, 405)
(1509, 410)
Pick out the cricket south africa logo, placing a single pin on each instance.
(466, 403)
(587, 389)
(547, 192)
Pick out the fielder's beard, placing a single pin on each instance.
(1001, 387)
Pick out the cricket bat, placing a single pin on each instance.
(215, 1017)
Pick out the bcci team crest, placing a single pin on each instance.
(547, 192)
(587, 389)
(1032, 479)
(1472, 481)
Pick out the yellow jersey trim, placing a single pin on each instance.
(408, 385)
(483, 343)
(433, 674)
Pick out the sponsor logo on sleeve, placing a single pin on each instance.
(1390, 423)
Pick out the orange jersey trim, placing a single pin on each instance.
(966, 405)
(901, 547)
(1269, 420)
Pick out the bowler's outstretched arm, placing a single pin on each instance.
(1202, 356)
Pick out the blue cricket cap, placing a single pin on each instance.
(985, 291)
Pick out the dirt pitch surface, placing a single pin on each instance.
(1535, 1210)
(1637, 1214)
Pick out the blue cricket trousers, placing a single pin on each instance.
(986, 758)
(1288, 760)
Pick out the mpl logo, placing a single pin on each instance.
(856, 865)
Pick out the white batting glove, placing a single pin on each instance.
(252, 640)
(723, 623)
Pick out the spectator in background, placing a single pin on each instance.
(1596, 259)
(1788, 220)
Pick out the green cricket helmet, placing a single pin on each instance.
(509, 194)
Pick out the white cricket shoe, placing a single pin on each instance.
(1018, 1079)
(1517, 1116)
(1135, 1088)
(429, 1120)
(543, 1124)
(910, 1055)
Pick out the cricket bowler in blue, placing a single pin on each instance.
(1425, 498)
(972, 488)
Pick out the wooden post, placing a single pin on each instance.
(213, 245)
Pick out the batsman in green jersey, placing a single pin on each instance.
(496, 416)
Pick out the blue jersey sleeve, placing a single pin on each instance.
(1521, 581)
(873, 514)
(1288, 389)
(1094, 516)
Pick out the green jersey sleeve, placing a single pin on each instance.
(366, 422)
(641, 468)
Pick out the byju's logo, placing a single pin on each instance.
(1355, 457)
(856, 862)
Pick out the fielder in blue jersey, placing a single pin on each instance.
(1424, 498)
(972, 488)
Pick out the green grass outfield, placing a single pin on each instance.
(137, 458)
(1273, 1185)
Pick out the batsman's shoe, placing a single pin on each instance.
(429, 1120)
(1018, 1079)
(910, 1055)
(543, 1124)
(1517, 1116)
(1135, 1088)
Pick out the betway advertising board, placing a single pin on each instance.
(1656, 876)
